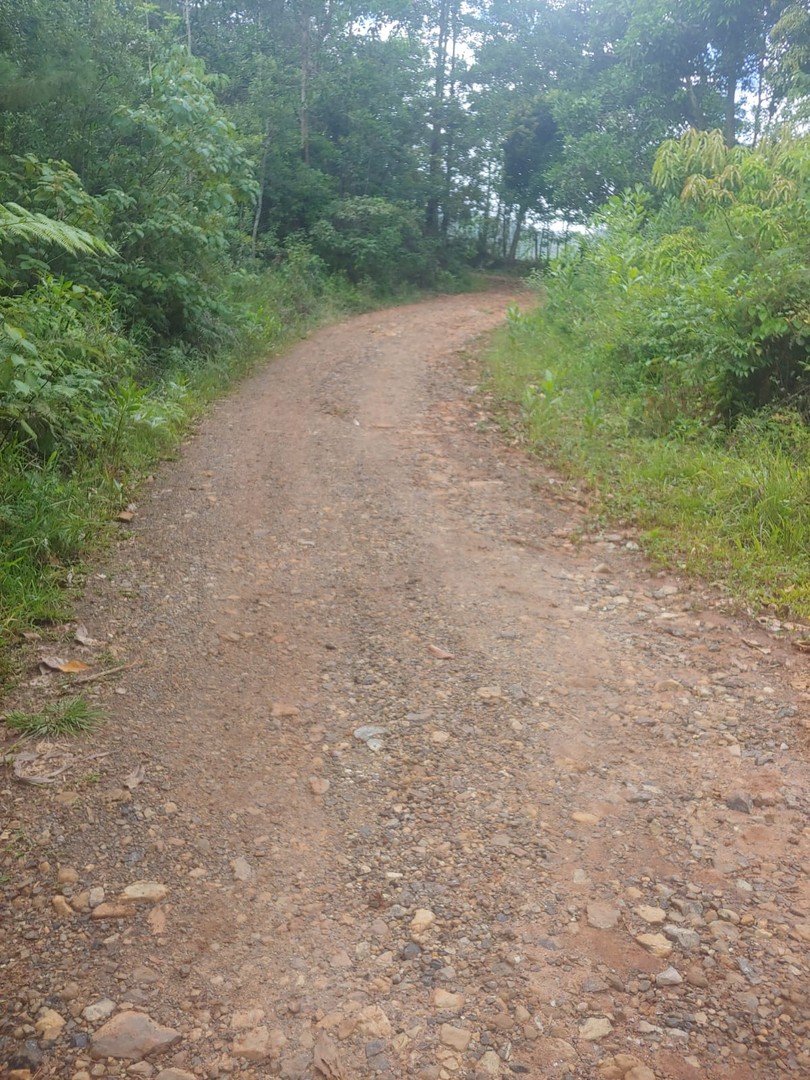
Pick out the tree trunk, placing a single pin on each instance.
(450, 127)
(436, 116)
(187, 19)
(513, 246)
(697, 117)
(306, 60)
(260, 199)
(760, 94)
(730, 106)
(483, 231)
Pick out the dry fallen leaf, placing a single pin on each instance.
(35, 766)
(73, 666)
(326, 1059)
(83, 637)
(137, 776)
(55, 663)
(440, 654)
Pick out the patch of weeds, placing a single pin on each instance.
(725, 503)
(68, 717)
(106, 658)
(20, 846)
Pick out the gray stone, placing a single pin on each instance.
(740, 801)
(296, 1067)
(687, 939)
(668, 977)
(99, 1010)
(602, 916)
(242, 870)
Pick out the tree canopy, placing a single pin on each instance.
(208, 122)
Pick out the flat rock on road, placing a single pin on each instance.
(416, 776)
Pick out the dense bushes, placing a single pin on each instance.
(375, 241)
(669, 362)
(697, 301)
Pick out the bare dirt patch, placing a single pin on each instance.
(427, 783)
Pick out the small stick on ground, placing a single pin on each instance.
(104, 674)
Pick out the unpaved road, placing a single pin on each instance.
(575, 752)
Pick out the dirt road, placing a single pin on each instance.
(426, 779)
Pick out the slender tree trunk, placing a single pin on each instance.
(760, 94)
(436, 117)
(513, 247)
(306, 60)
(187, 19)
(149, 63)
(450, 131)
(697, 117)
(257, 217)
(730, 106)
(483, 232)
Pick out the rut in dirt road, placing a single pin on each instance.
(435, 782)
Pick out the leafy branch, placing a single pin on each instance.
(17, 223)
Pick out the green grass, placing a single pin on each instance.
(68, 717)
(732, 507)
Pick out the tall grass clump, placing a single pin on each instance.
(667, 362)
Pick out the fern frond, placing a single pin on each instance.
(17, 223)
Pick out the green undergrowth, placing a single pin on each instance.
(98, 411)
(728, 502)
(666, 361)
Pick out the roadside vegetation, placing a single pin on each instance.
(666, 363)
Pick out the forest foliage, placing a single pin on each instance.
(669, 361)
(184, 183)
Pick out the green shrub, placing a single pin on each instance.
(667, 363)
(705, 296)
(62, 356)
(376, 242)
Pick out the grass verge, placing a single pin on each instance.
(730, 505)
